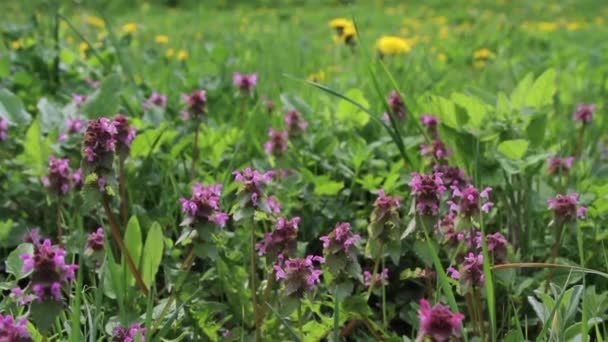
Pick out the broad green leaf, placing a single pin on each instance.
(325, 186)
(476, 109)
(153, 253)
(513, 149)
(536, 129)
(50, 115)
(44, 314)
(5, 66)
(445, 110)
(542, 91)
(12, 108)
(105, 101)
(35, 150)
(134, 245)
(349, 114)
(520, 94)
(14, 264)
(5, 229)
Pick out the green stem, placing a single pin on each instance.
(384, 321)
(375, 273)
(300, 321)
(336, 316)
(59, 224)
(122, 189)
(254, 299)
(560, 233)
(479, 311)
(195, 149)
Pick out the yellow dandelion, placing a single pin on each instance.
(573, 26)
(444, 32)
(348, 35)
(442, 57)
(95, 21)
(483, 53)
(129, 28)
(547, 26)
(341, 25)
(440, 20)
(198, 36)
(16, 44)
(82, 49)
(161, 39)
(390, 45)
(317, 76)
(182, 55)
(169, 52)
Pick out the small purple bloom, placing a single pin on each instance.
(155, 99)
(470, 272)
(396, 104)
(277, 144)
(124, 134)
(470, 198)
(75, 125)
(497, 247)
(438, 322)
(196, 103)
(3, 128)
(245, 83)
(58, 180)
(204, 206)
(95, 242)
(430, 122)
(11, 331)
(340, 239)
(273, 205)
(558, 165)
(381, 278)
(294, 122)
(427, 190)
(566, 209)
(452, 176)
(79, 100)
(252, 183)
(282, 239)
(99, 140)
(299, 275)
(437, 150)
(584, 113)
(130, 334)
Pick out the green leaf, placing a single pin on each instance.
(513, 149)
(14, 264)
(536, 129)
(105, 101)
(50, 116)
(44, 314)
(542, 91)
(12, 107)
(445, 110)
(520, 93)
(475, 108)
(325, 186)
(133, 244)
(349, 114)
(153, 253)
(35, 151)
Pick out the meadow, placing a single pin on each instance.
(303, 171)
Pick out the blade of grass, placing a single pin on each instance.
(75, 335)
(545, 265)
(292, 332)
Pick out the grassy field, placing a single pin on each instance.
(421, 171)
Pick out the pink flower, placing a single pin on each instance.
(196, 103)
(427, 190)
(78, 100)
(437, 150)
(381, 278)
(155, 99)
(58, 180)
(130, 334)
(3, 128)
(584, 113)
(95, 242)
(294, 122)
(565, 208)
(430, 122)
(340, 239)
(11, 331)
(245, 82)
(470, 272)
(299, 275)
(277, 144)
(470, 198)
(75, 125)
(204, 206)
(124, 134)
(273, 204)
(559, 166)
(99, 140)
(396, 104)
(438, 322)
(282, 239)
(252, 183)
(452, 176)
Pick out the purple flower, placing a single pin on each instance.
(130, 334)
(204, 206)
(446, 227)
(124, 134)
(470, 198)
(32, 236)
(584, 113)
(277, 144)
(396, 104)
(452, 176)
(3, 128)
(93, 83)
(49, 269)
(75, 125)
(58, 180)
(273, 205)
(559, 166)
(99, 141)
(252, 183)
(78, 100)
(77, 178)
(565, 208)
(385, 218)
(427, 190)
(282, 239)
(430, 122)
(497, 247)
(155, 99)
(381, 278)
(11, 331)
(437, 150)
(340, 239)
(268, 104)
(245, 83)
(95, 242)
(438, 322)
(298, 275)
(196, 103)
(470, 273)
(294, 122)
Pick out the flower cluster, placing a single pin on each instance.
(3, 128)
(58, 180)
(427, 190)
(385, 217)
(203, 206)
(446, 226)
(470, 198)
(283, 240)
(11, 331)
(438, 323)
(294, 122)
(397, 106)
(95, 242)
(124, 135)
(196, 104)
(340, 239)
(565, 208)
(246, 83)
(558, 166)
(430, 122)
(155, 99)
(277, 144)
(252, 186)
(130, 334)
(470, 272)
(299, 275)
(584, 113)
(436, 150)
(497, 247)
(452, 176)
(49, 271)
(78, 100)
(381, 278)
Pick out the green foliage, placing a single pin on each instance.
(152, 253)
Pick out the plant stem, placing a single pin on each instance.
(384, 322)
(375, 273)
(122, 189)
(269, 286)
(560, 232)
(470, 307)
(243, 109)
(254, 299)
(195, 149)
(300, 321)
(579, 141)
(336, 316)
(479, 311)
(121, 245)
(59, 224)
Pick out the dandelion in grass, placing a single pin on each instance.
(558, 166)
(129, 28)
(182, 55)
(282, 240)
(50, 273)
(13, 331)
(317, 77)
(584, 113)
(246, 83)
(3, 128)
(161, 39)
(196, 103)
(438, 323)
(169, 53)
(566, 208)
(298, 275)
(392, 45)
(481, 57)
(58, 180)
(339, 24)
(95, 21)
(135, 332)
(277, 145)
(427, 190)
(155, 99)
